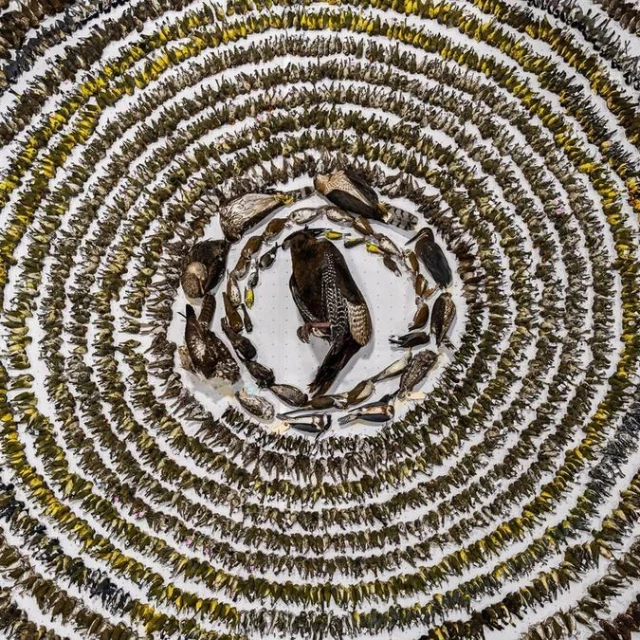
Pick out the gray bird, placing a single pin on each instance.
(432, 256)
(329, 301)
(349, 191)
(204, 267)
(239, 215)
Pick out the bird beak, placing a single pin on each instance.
(201, 287)
(410, 240)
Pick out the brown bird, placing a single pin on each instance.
(349, 191)
(442, 316)
(208, 354)
(247, 211)
(204, 267)
(432, 256)
(329, 301)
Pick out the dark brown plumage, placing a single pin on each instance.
(433, 258)
(203, 267)
(329, 301)
(349, 191)
(209, 355)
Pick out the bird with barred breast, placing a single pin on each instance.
(349, 191)
(331, 305)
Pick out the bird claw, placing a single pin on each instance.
(303, 333)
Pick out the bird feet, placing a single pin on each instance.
(318, 329)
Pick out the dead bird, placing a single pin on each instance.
(274, 228)
(329, 301)
(348, 190)
(233, 291)
(268, 258)
(209, 355)
(378, 412)
(319, 424)
(414, 339)
(432, 256)
(442, 317)
(235, 321)
(391, 264)
(263, 376)
(349, 243)
(289, 394)
(207, 310)
(338, 216)
(256, 405)
(416, 371)
(361, 392)
(248, 324)
(328, 402)
(204, 267)
(420, 318)
(239, 215)
(394, 369)
(243, 346)
(306, 214)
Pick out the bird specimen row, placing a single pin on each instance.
(447, 519)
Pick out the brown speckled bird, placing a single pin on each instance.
(239, 215)
(348, 190)
(329, 301)
(203, 267)
(209, 355)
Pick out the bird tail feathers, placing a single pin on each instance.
(398, 217)
(333, 363)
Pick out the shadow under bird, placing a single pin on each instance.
(245, 212)
(431, 255)
(349, 190)
(204, 267)
(209, 355)
(329, 301)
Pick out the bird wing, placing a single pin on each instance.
(195, 338)
(436, 263)
(362, 186)
(343, 298)
(306, 314)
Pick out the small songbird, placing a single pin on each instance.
(377, 412)
(416, 371)
(245, 212)
(349, 191)
(329, 301)
(209, 355)
(432, 256)
(444, 312)
(204, 267)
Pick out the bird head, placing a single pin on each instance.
(298, 239)
(193, 279)
(320, 183)
(424, 233)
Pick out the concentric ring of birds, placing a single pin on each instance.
(178, 266)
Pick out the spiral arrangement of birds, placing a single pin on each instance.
(164, 474)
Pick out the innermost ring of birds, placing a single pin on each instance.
(327, 297)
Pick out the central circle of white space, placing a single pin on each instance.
(391, 300)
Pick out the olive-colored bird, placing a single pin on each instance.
(329, 301)
(239, 215)
(209, 355)
(203, 267)
(349, 191)
(432, 256)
